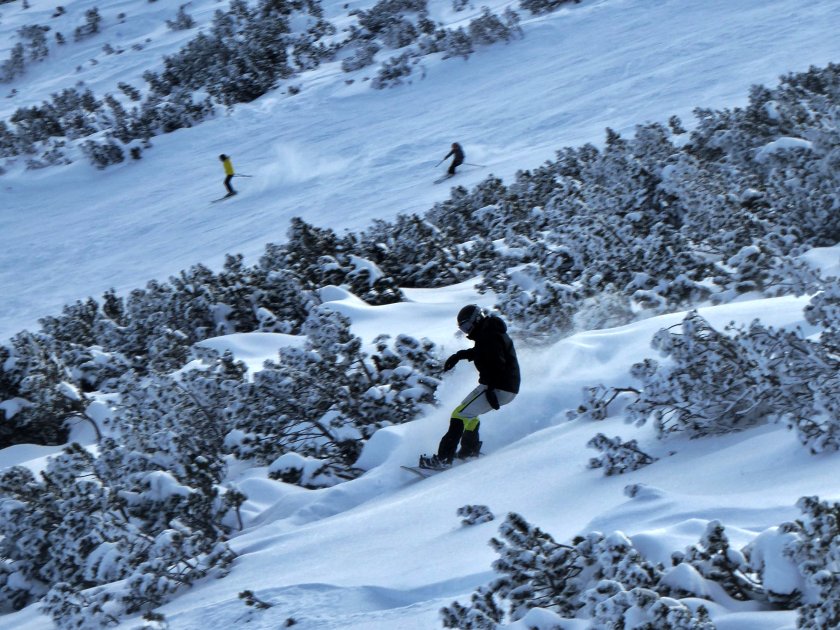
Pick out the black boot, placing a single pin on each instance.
(449, 442)
(470, 444)
(432, 462)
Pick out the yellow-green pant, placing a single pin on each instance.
(464, 423)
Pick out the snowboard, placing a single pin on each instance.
(423, 473)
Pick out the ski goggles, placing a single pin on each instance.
(468, 324)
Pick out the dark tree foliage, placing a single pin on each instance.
(598, 577)
(617, 457)
(91, 25)
(538, 7)
(714, 382)
(475, 515)
(814, 550)
(605, 580)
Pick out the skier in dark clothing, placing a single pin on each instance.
(498, 383)
(457, 154)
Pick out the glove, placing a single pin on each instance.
(450, 362)
(492, 398)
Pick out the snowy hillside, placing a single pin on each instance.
(339, 154)
(385, 550)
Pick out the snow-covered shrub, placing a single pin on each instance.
(36, 35)
(535, 572)
(760, 269)
(385, 13)
(534, 305)
(615, 558)
(614, 607)
(714, 559)
(38, 396)
(393, 71)
(325, 400)
(182, 22)
(596, 401)
(15, 65)
(362, 56)
(103, 154)
(398, 33)
(475, 514)
(717, 383)
(617, 457)
(457, 44)
(488, 28)
(607, 581)
(538, 7)
(91, 25)
(824, 310)
(252, 600)
(81, 527)
(814, 551)
(415, 252)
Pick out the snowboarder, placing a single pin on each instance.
(229, 173)
(457, 154)
(498, 377)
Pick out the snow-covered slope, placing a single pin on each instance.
(386, 551)
(339, 155)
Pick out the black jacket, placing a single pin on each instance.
(494, 355)
(458, 152)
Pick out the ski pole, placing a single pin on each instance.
(478, 165)
(241, 175)
(438, 164)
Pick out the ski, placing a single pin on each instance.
(222, 198)
(444, 178)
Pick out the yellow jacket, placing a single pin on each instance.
(228, 166)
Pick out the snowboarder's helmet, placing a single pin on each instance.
(222, 157)
(468, 317)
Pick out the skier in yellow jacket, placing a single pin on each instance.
(229, 172)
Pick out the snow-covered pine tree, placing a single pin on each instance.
(539, 7)
(393, 71)
(755, 373)
(534, 306)
(715, 559)
(488, 29)
(15, 65)
(815, 553)
(91, 26)
(401, 382)
(535, 572)
(324, 400)
(183, 21)
(475, 515)
(457, 44)
(414, 252)
(36, 35)
(362, 56)
(42, 392)
(617, 457)
(103, 154)
(614, 607)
